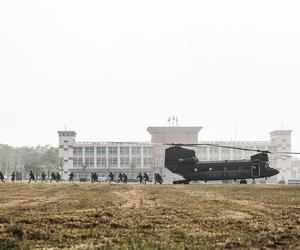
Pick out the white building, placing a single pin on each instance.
(82, 158)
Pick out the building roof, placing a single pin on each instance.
(157, 130)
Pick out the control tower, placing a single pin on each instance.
(161, 135)
(174, 134)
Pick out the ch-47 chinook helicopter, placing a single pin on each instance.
(183, 161)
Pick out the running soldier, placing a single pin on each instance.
(125, 178)
(31, 177)
(120, 177)
(111, 177)
(13, 176)
(92, 177)
(53, 177)
(71, 177)
(43, 175)
(58, 177)
(158, 178)
(146, 178)
(2, 177)
(96, 177)
(140, 177)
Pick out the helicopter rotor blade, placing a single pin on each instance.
(286, 154)
(289, 153)
(222, 146)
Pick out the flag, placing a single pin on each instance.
(169, 119)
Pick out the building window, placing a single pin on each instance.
(77, 163)
(113, 150)
(78, 151)
(124, 150)
(213, 151)
(148, 162)
(101, 163)
(135, 150)
(89, 151)
(101, 150)
(137, 161)
(202, 150)
(148, 150)
(124, 162)
(113, 162)
(89, 162)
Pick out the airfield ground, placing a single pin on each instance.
(103, 216)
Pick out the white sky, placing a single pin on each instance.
(109, 69)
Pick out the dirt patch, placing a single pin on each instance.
(149, 216)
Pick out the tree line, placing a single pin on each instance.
(24, 159)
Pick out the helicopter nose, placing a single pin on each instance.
(275, 171)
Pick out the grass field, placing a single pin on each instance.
(103, 216)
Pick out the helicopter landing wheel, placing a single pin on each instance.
(243, 181)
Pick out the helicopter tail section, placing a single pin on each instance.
(176, 155)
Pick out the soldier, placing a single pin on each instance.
(58, 177)
(120, 177)
(146, 178)
(140, 178)
(43, 175)
(13, 176)
(2, 177)
(53, 177)
(31, 177)
(125, 178)
(96, 177)
(71, 176)
(92, 177)
(158, 178)
(111, 177)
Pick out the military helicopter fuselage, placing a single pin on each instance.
(183, 162)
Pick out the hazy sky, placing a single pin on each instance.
(109, 69)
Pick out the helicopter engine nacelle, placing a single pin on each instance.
(191, 160)
(260, 157)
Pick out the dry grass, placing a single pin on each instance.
(102, 216)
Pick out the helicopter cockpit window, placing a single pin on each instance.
(268, 165)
